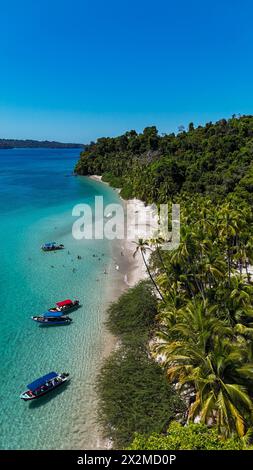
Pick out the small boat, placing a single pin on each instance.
(65, 306)
(52, 246)
(51, 318)
(44, 385)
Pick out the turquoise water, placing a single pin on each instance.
(37, 196)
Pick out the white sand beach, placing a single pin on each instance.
(140, 222)
(125, 270)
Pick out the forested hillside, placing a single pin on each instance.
(190, 346)
(215, 159)
(29, 143)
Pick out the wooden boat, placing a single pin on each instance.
(43, 385)
(52, 246)
(65, 306)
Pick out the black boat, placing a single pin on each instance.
(51, 319)
(44, 385)
(65, 306)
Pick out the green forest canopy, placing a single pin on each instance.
(215, 159)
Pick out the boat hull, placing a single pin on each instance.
(45, 325)
(65, 311)
(56, 248)
(24, 397)
(48, 322)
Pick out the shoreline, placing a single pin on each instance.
(134, 268)
(125, 272)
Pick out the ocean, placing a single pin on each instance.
(38, 193)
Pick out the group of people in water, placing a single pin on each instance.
(79, 257)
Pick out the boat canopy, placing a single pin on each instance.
(52, 314)
(48, 245)
(41, 381)
(64, 302)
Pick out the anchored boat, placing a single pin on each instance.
(52, 318)
(52, 246)
(44, 385)
(65, 306)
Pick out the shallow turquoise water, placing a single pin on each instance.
(37, 194)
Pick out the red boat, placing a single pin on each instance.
(67, 306)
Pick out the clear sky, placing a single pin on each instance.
(74, 70)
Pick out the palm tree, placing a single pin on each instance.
(157, 242)
(217, 370)
(232, 225)
(222, 394)
(235, 302)
(196, 323)
(142, 246)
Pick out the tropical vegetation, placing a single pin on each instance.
(201, 331)
(191, 437)
(134, 395)
(215, 159)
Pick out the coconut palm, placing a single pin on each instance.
(157, 243)
(195, 323)
(217, 370)
(217, 378)
(142, 246)
(222, 383)
(235, 301)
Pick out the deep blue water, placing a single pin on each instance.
(37, 194)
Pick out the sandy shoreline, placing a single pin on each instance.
(125, 272)
(132, 269)
(96, 178)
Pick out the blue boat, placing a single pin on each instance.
(52, 246)
(50, 314)
(44, 385)
(52, 318)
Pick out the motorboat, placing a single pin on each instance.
(44, 385)
(52, 246)
(51, 318)
(65, 306)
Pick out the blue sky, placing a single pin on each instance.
(76, 70)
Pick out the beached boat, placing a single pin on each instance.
(52, 318)
(65, 306)
(52, 246)
(44, 385)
